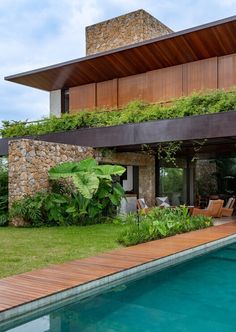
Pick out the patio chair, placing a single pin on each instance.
(213, 209)
(142, 206)
(228, 209)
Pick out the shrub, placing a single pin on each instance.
(94, 192)
(85, 196)
(134, 112)
(160, 223)
(43, 209)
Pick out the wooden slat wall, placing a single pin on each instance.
(107, 93)
(157, 85)
(227, 71)
(82, 97)
(131, 88)
(199, 75)
(164, 84)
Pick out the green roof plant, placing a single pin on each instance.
(135, 112)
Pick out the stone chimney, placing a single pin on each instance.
(123, 30)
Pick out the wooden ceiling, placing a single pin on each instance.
(202, 42)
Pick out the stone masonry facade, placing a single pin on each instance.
(30, 160)
(123, 30)
(146, 165)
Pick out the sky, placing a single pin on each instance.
(37, 33)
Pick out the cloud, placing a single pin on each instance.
(42, 33)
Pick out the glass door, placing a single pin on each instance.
(173, 184)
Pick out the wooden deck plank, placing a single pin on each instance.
(33, 285)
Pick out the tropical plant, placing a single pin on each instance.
(86, 175)
(160, 223)
(81, 193)
(43, 209)
(94, 192)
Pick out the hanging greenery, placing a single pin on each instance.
(135, 112)
(197, 147)
(167, 151)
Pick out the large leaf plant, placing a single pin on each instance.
(95, 193)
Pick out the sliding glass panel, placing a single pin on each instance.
(173, 184)
(215, 178)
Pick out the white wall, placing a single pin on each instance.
(55, 103)
(128, 184)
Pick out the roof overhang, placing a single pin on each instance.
(219, 127)
(213, 39)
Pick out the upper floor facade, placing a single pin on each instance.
(135, 56)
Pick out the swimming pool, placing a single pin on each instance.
(198, 295)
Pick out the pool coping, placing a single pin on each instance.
(113, 279)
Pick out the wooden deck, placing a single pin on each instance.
(30, 286)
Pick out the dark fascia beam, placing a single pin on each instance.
(219, 125)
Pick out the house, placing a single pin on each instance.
(135, 56)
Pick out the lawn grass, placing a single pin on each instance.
(25, 249)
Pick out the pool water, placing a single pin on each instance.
(198, 295)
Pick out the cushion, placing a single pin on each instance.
(142, 203)
(163, 201)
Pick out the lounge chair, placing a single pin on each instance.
(228, 209)
(213, 209)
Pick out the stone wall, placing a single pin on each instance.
(146, 165)
(206, 182)
(29, 161)
(123, 30)
(147, 183)
(125, 158)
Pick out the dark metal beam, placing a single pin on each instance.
(211, 126)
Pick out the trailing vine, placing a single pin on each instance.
(167, 151)
(197, 147)
(135, 112)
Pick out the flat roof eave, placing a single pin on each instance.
(213, 39)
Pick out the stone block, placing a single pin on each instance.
(123, 30)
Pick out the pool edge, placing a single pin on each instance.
(96, 286)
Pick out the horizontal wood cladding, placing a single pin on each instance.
(107, 93)
(157, 85)
(81, 97)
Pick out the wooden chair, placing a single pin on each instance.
(213, 209)
(228, 210)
